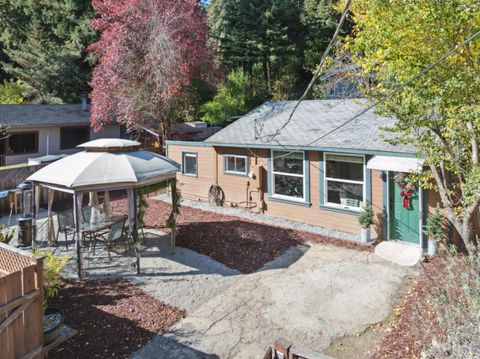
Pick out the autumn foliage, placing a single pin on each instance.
(149, 52)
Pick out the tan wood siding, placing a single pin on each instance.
(377, 203)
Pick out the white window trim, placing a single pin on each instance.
(190, 154)
(245, 173)
(282, 196)
(326, 179)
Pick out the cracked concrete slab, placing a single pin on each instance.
(310, 295)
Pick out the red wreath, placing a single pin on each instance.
(406, 194)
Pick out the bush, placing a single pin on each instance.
(435, 228)
(366, 218)
(11, 92)
(455, 301)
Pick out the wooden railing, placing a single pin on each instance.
(21, 304)
(284, 349)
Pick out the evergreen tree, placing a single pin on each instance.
(45, 43)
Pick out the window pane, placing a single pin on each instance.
(190, 164)
(23, 143)
(345, 194)
(289, 186)
(71, 137)
(345, 170)
(230, 163)
(241, 165)
(292, 163)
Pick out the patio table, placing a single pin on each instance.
(93, 230)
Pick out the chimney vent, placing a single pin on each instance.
(83, 97)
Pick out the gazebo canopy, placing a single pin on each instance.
(106, 164)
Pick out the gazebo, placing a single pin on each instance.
(105, 165)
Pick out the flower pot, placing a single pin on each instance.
(365, 235)
(52, 324)
(432, 247)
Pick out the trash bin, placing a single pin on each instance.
(25, 231)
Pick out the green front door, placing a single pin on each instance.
(404, 222)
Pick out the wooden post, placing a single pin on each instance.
(173, 234)
(132, 223)
(78, 240)
(34, 216)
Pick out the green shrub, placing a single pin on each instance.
(366, 218)
(435, 228)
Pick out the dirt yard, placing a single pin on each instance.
(236, 242)
(114, 318)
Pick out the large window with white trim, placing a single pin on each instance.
(189, 164)
(234, 164)
(344, 180)
(288, 175)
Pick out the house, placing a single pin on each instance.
(319, 169)
(31, 131)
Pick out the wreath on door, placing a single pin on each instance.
(403, 181)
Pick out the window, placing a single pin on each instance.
(344, 180)
(235, 164)
(189, 164)
(288, 175)
(19, 143)
(71, 137)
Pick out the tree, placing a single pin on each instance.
(440, 112)
(232, 99)
(45, 43)
(11, 92)
(149, 52)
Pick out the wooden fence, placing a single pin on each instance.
(21, 304)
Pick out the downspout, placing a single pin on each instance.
(48, 141)
(216, 165)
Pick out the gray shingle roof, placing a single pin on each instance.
(42, 115)
(312, 120)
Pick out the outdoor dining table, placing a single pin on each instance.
(93, 230)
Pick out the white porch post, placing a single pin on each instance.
(173, 234)
(132, 223)
(77, 206)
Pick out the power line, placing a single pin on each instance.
(317, 71)
(384, 97)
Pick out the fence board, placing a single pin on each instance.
(16, 335)
(3, 301)
(29, 317)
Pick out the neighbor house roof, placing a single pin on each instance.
(43, 115)
(314, 124)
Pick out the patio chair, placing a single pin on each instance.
(116, 234)
(65, 225)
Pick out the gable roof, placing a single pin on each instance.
(43, 115)
(312, 120)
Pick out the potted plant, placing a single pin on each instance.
(366, 220)
(6, 234)
(435, 230)
(52, 282)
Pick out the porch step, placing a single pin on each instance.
(397, 252)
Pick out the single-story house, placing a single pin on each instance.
(31, 131)
(319, 169)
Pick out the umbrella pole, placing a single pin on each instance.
(132, 223)
(78, 242)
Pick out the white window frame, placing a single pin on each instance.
(225, 170)
(326, 179)
(189, 154)
(282, 196)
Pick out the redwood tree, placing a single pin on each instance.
(149, 52)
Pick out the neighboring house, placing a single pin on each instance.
(313, 171)
(40, 130)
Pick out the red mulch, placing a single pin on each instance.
(114, 318)
(236, 242)
(414, 325)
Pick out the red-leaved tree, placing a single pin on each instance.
(149, 52)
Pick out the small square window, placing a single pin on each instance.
(234, 164)
(189, 164)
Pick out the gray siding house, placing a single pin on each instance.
(30, 131)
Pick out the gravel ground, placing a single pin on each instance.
(113, 318)
(263, 218)
(185, 279)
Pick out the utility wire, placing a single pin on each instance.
(394, 91)
(316, 73)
